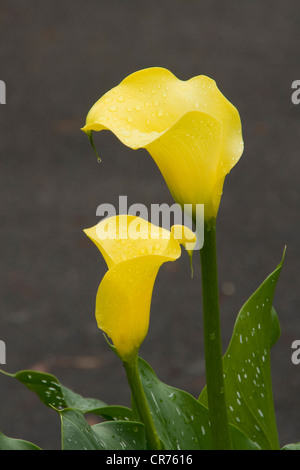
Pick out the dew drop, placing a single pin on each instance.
(126, 133)
(172, 396)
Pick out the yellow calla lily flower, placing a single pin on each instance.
(190, 129)
(134, 250)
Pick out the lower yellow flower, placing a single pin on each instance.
(134, 250)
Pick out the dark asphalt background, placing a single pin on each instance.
(57, 58)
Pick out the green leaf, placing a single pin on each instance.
(295, 446)
(115, 412)
(55, 395)
(122, 435)
(8, 443)
(77, 434)
(247, 367)
(182, 423)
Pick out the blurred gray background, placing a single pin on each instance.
(57, 58)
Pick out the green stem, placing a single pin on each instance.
(212, 340)
(134, 380)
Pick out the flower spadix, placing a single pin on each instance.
(190, 129)
(134, 250)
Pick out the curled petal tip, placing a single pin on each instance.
(89, 133)
(188, 239)
(190, 253)
(184, 236)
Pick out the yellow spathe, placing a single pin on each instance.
(190, 129)
(134, 250)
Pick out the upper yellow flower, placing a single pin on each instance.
(134, 250)
(191, 130)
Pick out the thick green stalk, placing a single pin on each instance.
(134, 380)
(212, 340)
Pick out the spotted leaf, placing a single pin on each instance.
(247, 368)
(181, 421)
(77, 434)
(55, 395)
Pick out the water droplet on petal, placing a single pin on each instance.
(126, 132)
